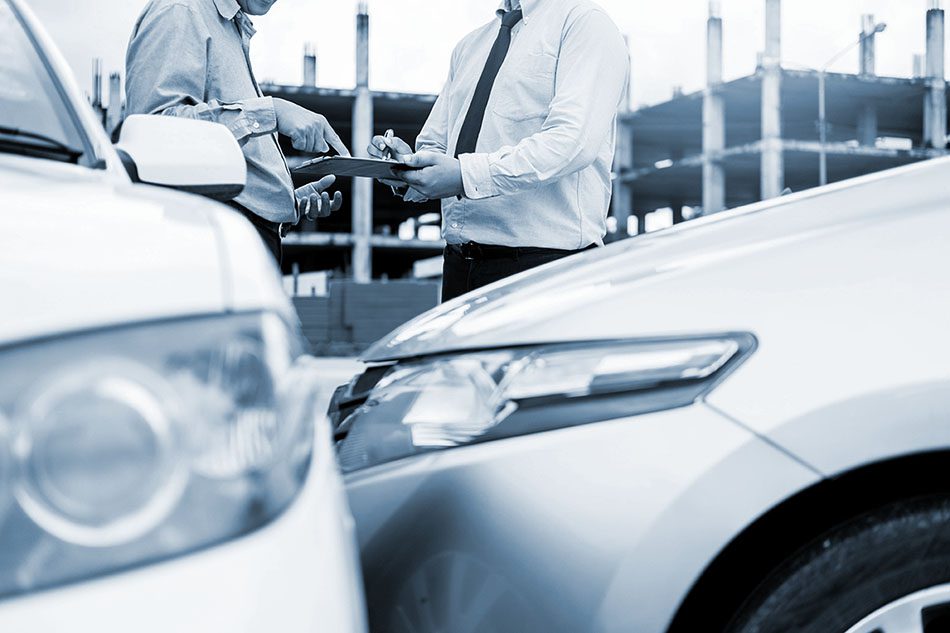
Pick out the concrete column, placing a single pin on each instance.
(773, 168)
(96, 96)
(714, 118)
(867, 45)
(935, 101)
(309, 65)
(621, 202)
(114, 113)
(867, 116)
(867, 125)
(362, 135)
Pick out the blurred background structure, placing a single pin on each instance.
(785, 127)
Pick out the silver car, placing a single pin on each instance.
(740, 424)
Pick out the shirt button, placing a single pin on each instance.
(256, 125)
(455, 225)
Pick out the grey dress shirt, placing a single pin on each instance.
(189, 58)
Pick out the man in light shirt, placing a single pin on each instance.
(520, 143)
(191, 58)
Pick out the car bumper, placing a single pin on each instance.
(299, 573)
(601, 527)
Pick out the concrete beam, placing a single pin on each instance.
(714, 119)
(362, 135)
(772, 180)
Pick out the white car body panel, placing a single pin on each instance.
(88, 253)
(297, 575)
(86, 249)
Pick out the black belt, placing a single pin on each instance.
(474, 250)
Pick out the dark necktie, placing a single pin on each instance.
(468, 136)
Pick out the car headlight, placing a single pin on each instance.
(448, 401)
(125, 446)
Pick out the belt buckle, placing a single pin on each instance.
(470, 250)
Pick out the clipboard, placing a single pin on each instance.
(353, 167)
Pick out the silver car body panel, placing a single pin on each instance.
(566, 531)
(607, 526)
(724, 272)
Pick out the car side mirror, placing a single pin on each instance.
(194, 156)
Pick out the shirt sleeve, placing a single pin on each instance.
(166, 70)
(591, 78)
(435, 133)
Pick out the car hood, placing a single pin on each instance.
(674, 281)
(83, 249)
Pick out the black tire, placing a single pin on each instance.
(854, 570)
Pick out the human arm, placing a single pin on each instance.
(591, 76)
(167, 73)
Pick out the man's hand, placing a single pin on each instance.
(440, 176)
(314, 201)
(385, 147)
(309, 131)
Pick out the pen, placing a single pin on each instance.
(388, 152)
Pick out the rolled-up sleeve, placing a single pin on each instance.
(166, 70)
(592, 72)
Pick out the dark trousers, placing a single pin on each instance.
(269, 231)
(470, 266)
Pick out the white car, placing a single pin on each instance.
(739, 424)
(165, 463)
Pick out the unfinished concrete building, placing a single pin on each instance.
(780, 128)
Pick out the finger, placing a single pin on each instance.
(414, 196)
(321, 145)
(400, 146)
(375, 152)
(422, 159)
(412, 178)
(393, 183)
(324, 183)
(324, 204)
(306, 142)
(334, 140)
(305, 208)
(299, 141)
(337, 201)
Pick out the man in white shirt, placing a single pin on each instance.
(520, 143)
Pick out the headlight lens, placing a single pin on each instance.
(451, 401)
(130, 445)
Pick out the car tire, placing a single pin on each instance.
(859, 577)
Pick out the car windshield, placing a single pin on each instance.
(35, 120)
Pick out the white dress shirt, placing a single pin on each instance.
(540, 175)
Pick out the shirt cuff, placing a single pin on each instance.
(260, 115)
(476, 176)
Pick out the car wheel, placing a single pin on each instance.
(886, 572)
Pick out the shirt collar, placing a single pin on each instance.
(509, 5)
(227, 8)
